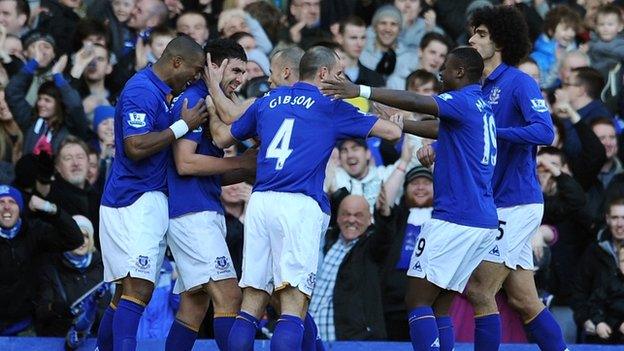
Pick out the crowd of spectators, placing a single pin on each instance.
(64, 63)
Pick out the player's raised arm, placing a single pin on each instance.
(220, 132)
(342, 88)
(140, 146)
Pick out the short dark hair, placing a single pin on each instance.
(434, 36)
(591, 80)
(315, 58)
(87, 27)
(21, 8)
(551, 150)
(471, 60)
(615, 201)
(424, 77)
(610, 9)
(561, 14)
(508, 31)
(604, 120)
(221, 49)
(351, 20)
(240, 35)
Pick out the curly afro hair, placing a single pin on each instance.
(508, 30)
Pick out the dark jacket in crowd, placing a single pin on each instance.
(565, 210)
(358, 313)
(369, 77)
(61, 286)
(20, 259)
(607, 304)
(60, 22)
(596, 268)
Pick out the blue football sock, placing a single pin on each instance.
(243, 332)
(288, 334)
(546, 332)
(181, 337)
(423, 329)
(105, 331)
(487, 332)
(311, 339)
(445, 330)
(126, 323)
(221, 326)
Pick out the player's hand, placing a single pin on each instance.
(426, 155)
(603, 330)
(195, 116)
(590, 327)
(339, 87)
(213, 74)
(383, 205)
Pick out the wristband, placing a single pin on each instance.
(179, 128)
(365, 91)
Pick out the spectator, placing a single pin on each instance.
(235, 20)
(115, 14)
(305, 22)
(60, 21)
(23, 241)
(606, 49)
(93, 173)
(14, 16)
(385, 54)
(529, 66)
(570, 60)
(72, 295)
(583, 92)
(11, 137)
(104, 127)
(193, 24)
(414, 26)
(560, 28)
(245, 40)
(413, 210)
(257, 64)
(352, 38)
(346, 303)
(270, 18)
(156, 44)
(598, 269)
(432, 51)
(92, 64)
(90, 31)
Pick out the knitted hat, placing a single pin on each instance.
(16, 195)
(388, 11)
(416, 172)
(102, 113)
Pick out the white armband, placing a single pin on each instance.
(179, 128)
(365, 91)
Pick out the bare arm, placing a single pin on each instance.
(138, 147)
(189, 163)
(220, 132)
(386, 130)
(227, 110)
(340, 87)
(426, 129)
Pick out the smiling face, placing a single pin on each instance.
(353, 217)
(46, 106)
(615, 221)
(354, 159)
(419, 192)
(607, 136)
(387, 31)
(564, 34)
(233, 76)
(122, 9)
(9, 212)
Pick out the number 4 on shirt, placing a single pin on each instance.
(279, 146)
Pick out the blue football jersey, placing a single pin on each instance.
(465, 158)
(141, 108)
(188, 194)
(298, 127)
(523, 122)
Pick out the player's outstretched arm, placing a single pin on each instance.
(137, 147)
(189, 163)
(342, 88)
(386, 130)
(220, 132)
(426, 129)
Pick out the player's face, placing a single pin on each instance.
(73, 164)
(615, 221)
(448, 73)
(233, 76)
(353, 40)
(187, 73)
(94, 171)
(354, 159)
(387, 31)
(608, 25)
(353, 217)
(419, 192)
(432, 56)
(606, 134)
(482, 42)
(531, 69)
(10, 212)
(193, 25)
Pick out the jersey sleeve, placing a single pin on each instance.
(246, 126)
(350, 122)
(538, 129)
(176, 113)
(451, 106)
(139, 113)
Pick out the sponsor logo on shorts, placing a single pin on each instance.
(222, 263)
(311, 281)
(417, 267)
(143, 262)
(495, 251)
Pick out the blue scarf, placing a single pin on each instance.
(11, 232)
(78, 261)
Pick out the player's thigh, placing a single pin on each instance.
(521, 223)
(257, 270)
(420, 292)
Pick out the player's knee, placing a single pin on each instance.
(479, 297)
(228, 300)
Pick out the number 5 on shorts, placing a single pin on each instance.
(501, 229)
(279, 146)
